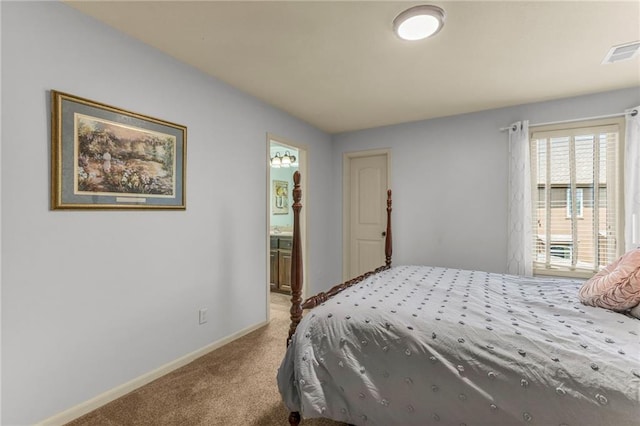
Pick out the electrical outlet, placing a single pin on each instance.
(202, 315)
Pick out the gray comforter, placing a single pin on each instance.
(421, 345)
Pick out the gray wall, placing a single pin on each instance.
(93, 299)
(449, 178)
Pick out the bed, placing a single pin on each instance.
(423, 345)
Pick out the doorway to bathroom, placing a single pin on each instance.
(284, 158)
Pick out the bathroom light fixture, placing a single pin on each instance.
(276, 161)
(286, 160)
(419, 22)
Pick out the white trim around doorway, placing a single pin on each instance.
(304, 171)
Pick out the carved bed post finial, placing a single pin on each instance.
(388, 246)
(296, 259)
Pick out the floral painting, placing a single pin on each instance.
(117, 159)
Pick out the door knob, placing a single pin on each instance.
(384, 234)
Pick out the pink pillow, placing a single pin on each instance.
(617, 286)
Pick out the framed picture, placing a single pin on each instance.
(104, 157)
(280, 203)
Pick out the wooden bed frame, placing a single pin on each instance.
(297, 305)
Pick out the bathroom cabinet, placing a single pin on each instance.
(280, 261)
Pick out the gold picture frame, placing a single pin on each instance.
(103, 157)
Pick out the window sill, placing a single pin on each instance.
(559, 273)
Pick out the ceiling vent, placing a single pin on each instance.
(622, 52)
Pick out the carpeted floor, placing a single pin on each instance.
(233, 385)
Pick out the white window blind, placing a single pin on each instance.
(576, 199)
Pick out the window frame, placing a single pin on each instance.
(570, 127)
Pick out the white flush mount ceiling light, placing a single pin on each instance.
(419, 22)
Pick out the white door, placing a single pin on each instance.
(367, 213)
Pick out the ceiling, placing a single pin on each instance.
(338, 66)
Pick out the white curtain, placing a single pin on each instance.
(632, 180)
(519, 244)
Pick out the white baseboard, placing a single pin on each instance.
(115, 393)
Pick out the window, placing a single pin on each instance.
(576, 179)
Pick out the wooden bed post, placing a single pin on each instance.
(296, 274)
(388, 246)
(296, 259)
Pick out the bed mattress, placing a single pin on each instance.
(418, 345)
